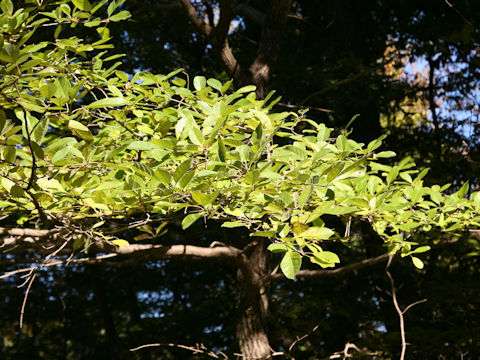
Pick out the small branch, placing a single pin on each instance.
(459, 13)
(303, 337)
(413, 304)
(49, 263)
(197, 349)
(306, 274)
(22, 312)
(399, 310)
(290, 106)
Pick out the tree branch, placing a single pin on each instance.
(307, 274)
(269, 44)
(139, 254)
(25, 232)
(248, 11)
(201, 27)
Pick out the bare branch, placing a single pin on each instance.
(413, 304)
(141, 253)
(451, 6)
(303, 337)
(197, 349)
(397, 309)
(22, 312)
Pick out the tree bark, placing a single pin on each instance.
(112, 341)
(253, 305)
(260, 69)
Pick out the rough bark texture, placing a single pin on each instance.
(269, 48)
(253, 306)
(273, 22)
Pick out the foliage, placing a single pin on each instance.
(85, 144)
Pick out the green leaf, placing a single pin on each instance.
(386, 154)
(233, 224)
(278, 248)
(417, 262)
(222, 151)
(61, 154)
(82, 4)
(181, 170)
(80, 130)
(141, 145)
(215, 84)
(316, 232)
(48, 90)
(421, 249)
(244, 152)
(106, 102)
(245, 89)
(40, 130)
(190, 219)
(163, 175)
(120, 242)
(291, 263)
(122, 15)
(196, 137)
(199, 82)
(325, 259)
(204, 199)
(334, 172)
(263, 234)
(9, 153)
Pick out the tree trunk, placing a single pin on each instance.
(253, 307)
(112, 341)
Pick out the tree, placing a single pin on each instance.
(94, 159)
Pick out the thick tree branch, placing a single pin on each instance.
(221, 30)
(138, 254)
(269, 44)
(25, 232)
(248, 11)
(201, 27)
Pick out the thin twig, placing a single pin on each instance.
(25, 299)
(397, 308)
(413, 304)
(303, 337)
(197, 349)
(459, 13)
